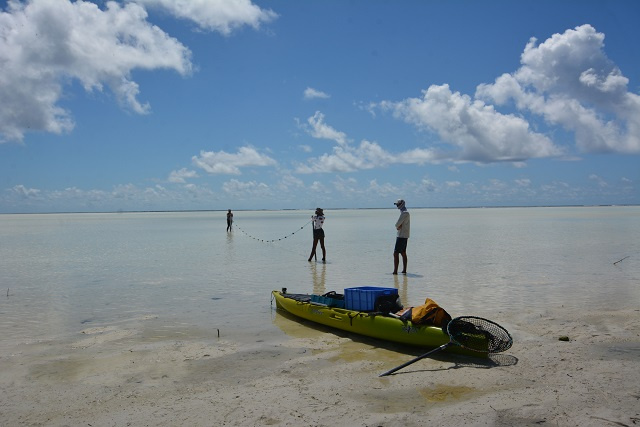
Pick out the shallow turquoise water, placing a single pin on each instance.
(61, 273)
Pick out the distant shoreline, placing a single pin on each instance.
(307, 209)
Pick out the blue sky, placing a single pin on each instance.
(203, 104)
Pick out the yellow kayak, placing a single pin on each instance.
(374, 325)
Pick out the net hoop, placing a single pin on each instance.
(478, 334)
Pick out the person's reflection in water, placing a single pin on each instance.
(318, 278)
(400, 282)
(231, 251)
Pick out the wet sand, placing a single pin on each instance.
(133, 374)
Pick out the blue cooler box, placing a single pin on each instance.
(363, 298)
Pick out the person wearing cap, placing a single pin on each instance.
(317, 221)
(403, 225)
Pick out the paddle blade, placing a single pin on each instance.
(478, 334)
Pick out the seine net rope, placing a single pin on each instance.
(268, 240)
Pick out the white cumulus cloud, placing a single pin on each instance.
(222, 162)
(223, 16)
(247, 189)
(180, 176)
(310, 93)
(367, 155)
(317, 128)
(348, 158)
(44, 44)
(570, 82)
(23, 192)
(47, 45)
(475, 130)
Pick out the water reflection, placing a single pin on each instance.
(230, 252)
(318, 277)
(400, 282)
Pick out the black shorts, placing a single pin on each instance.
(401, 244)
(318, 233)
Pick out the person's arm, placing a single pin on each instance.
(399, 222)
(404, 217)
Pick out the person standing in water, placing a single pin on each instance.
(229, 220)
(317, 221)
(403, 225)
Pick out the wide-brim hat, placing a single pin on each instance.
(319, 211)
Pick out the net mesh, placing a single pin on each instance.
(478, 334)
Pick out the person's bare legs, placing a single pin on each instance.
(313, 249)
(324, 252)
(396, 261)
(404, 263)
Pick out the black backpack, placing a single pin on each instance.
(386, 304)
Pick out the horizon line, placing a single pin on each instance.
(120, 211)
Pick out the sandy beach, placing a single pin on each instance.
(129, 374)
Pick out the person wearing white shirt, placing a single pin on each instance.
(317, 221)
(403, 226)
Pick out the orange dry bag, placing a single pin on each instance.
(430, 313)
